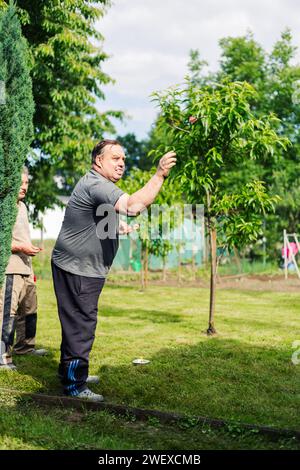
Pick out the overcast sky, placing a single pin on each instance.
(149, 43)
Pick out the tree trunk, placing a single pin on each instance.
(193, 264)
(237, 260)
(213, 281)
(130, 255)
(42, 254)
(179, 266)
(206, 249)
(146, 267)
(143, 267)
(204, 246)
(42, 234)
(164, 272)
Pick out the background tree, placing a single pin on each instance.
(165, 218)
(16, 131)
(161, 248)
(213, 129)
(136, 152)
(275, 76)
(67, 56)
(134, 181)
(167, 197)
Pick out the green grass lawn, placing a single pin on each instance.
(244, 374)
(23, 425)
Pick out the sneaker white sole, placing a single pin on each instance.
(92, 379)
(99, 399)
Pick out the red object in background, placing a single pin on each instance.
(192, 119)
(293, 248)
(34, 278)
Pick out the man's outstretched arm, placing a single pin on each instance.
(135, 203)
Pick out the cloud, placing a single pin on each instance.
(142, 72)
(149, 42)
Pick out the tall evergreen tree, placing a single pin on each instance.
(16, 130)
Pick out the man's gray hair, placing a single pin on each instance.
(25, 171)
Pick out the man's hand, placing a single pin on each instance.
(26, 248)
(137, 202)
(166, 163)
(125, 228)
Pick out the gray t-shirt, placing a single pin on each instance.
(78, 249)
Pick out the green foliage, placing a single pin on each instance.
(135, 180)
(169, 198)
(160, 247)
(213, 130)
(16, 129)
(131, 184)
(43, 189)
(275, 77)
(242, 59)
(67, 56)
(226, 134)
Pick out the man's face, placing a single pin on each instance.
(23, 188)
(112, 162)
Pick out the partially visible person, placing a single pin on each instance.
(288, 253)
(18, 298)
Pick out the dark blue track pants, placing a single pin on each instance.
(77, 303)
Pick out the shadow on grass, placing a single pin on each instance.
(43, 369)
(256, 325)
(154, 316)
(217, 378)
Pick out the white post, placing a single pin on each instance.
(130, 254)
(285, 254)
(297, 242)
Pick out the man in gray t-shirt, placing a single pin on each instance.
(78, 249)
(83, 255)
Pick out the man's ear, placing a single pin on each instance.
(99, 161)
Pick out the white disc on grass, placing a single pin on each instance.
(140, 362)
